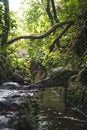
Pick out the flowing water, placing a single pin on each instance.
(44, 110)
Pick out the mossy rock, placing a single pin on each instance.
(59, 78)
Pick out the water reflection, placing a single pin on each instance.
(53, 116)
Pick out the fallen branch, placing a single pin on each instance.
(32, 37)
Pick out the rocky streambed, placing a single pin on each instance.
(11, 95)
(40, 106)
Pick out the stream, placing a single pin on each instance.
(37, 109)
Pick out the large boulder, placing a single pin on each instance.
(58, 78)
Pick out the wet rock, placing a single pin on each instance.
(27, 81)
(7, 121)
(9, 106)
(20, 79)
(10, 85)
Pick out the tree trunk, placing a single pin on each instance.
(54, 11)
(49, 12)
(5, 29)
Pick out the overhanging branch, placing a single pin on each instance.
(53, 29)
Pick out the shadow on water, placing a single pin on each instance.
(37, 110)
(55, 115)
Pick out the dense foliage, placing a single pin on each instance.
(35, 19)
